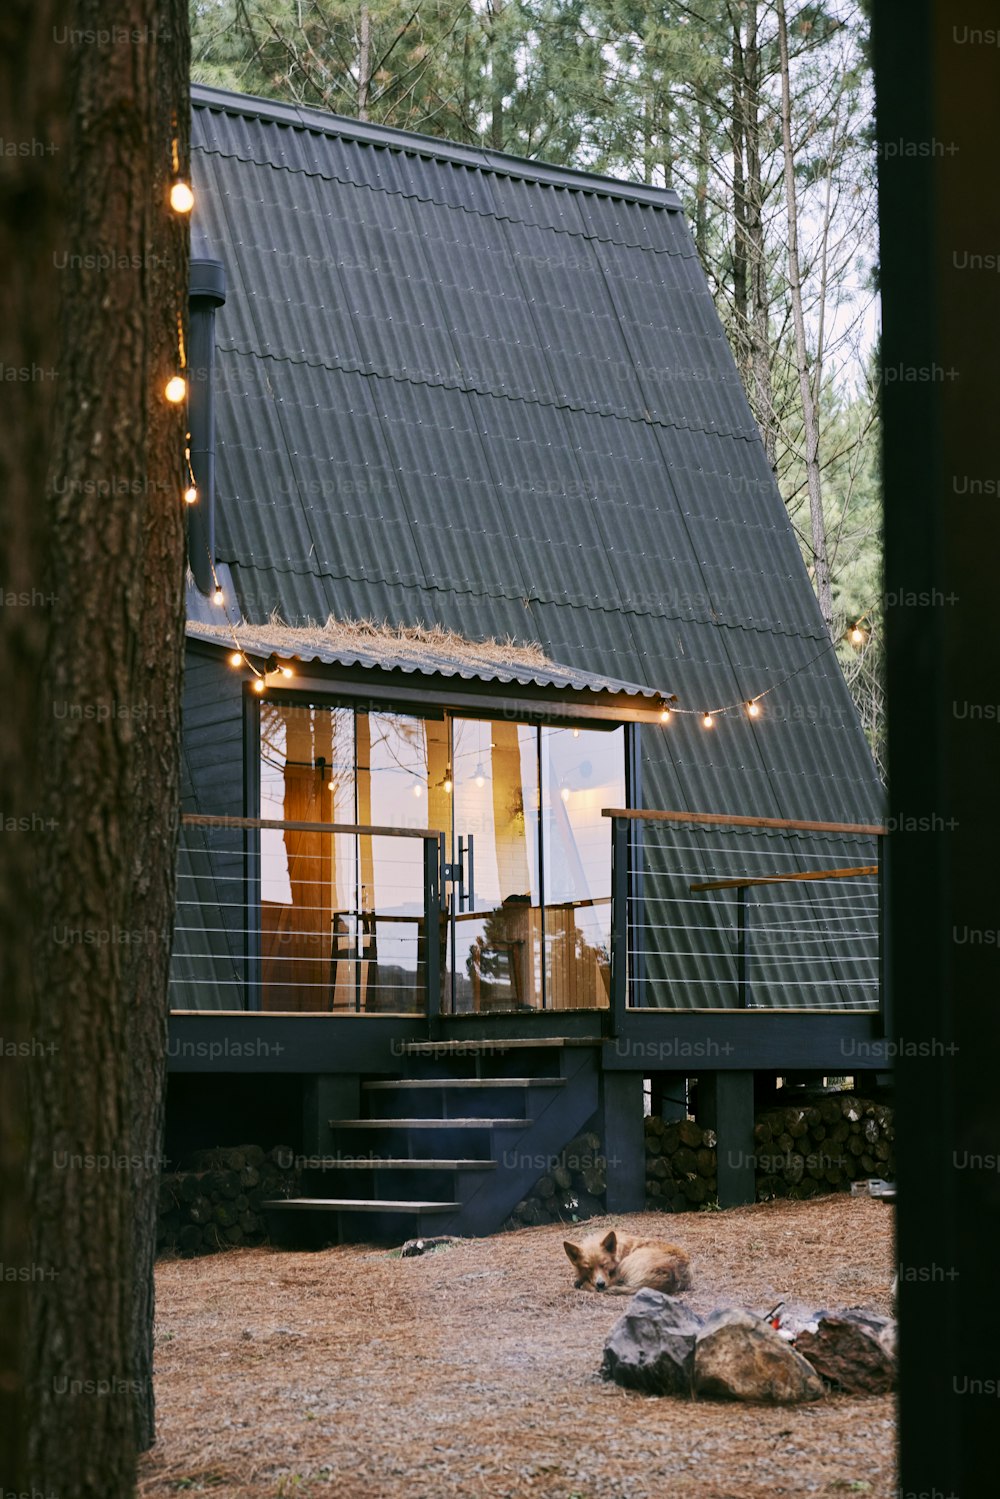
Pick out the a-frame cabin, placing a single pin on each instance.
(486, 548)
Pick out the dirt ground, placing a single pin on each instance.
(474, 1371)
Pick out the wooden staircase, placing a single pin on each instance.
(450, 1147)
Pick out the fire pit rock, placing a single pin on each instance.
(651, 1348)
(739, 1357)
(854, 1350)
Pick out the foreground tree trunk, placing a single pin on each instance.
(810, 413)
(109, 747)
(33, 90)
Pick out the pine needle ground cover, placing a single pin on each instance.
(474, 1371)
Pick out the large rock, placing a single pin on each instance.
(739, 1357)
(651, 1348)
(855, 1350)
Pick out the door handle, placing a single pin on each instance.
(462, 873)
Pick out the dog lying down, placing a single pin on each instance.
(621, 1264)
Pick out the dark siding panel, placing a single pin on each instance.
(207, 968)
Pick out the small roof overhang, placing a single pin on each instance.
(434, 667)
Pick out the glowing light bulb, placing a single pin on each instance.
(218, 597)
(236, 659)
(857, 635)
(331, 785)
(418, 790)
(564, 793)
(190, 495)
(708, 722)
(480, 775)
(576, 733)
(258, 684)
(175, 389)
(752, 708)
(447, 785)
(665, 715)
(181, 198)
(286, 671)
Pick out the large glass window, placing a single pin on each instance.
(518, 806)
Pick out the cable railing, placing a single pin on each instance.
(306, 917)
(708, 912)
(718, 912)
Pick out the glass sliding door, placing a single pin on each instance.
(494, 959)
(583, 771)
(306, 878)
(402, 769)
(518, 810)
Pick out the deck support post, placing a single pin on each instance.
(725, 1104)
(624, 1141)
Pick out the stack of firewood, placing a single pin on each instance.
(680, 1164)
(218, 1203)
(801, 1149)
(823, 1146)
(570, 1190)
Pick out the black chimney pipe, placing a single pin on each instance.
(207, 291)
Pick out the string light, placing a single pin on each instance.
(258, 684)
(664, 715)
(480, 775)
(175, 389)
(181, 197)
(564, 793)
(191, 494)
(753, 708)
(218, 597)
(708, 722)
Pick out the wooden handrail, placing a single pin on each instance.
(724, 819)
(196, 820)
(782, 879)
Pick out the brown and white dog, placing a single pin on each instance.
(621, 1264)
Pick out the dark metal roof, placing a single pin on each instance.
(486, 662)
(459, 389)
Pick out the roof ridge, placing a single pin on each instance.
(476, 158)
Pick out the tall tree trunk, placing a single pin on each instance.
(760, 353)
(364, 62)
(701, 186)
(810, 414)
(740, 293)
(109, 745)
(34, 77)
(498, 72)
(156, 624)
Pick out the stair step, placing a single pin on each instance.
(409, 1163)
(356, 1205)
(466, 1082)
(429, 1123)
(488, 1044)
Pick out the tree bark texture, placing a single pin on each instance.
(108, 737)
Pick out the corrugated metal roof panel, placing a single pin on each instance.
(478, 662)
